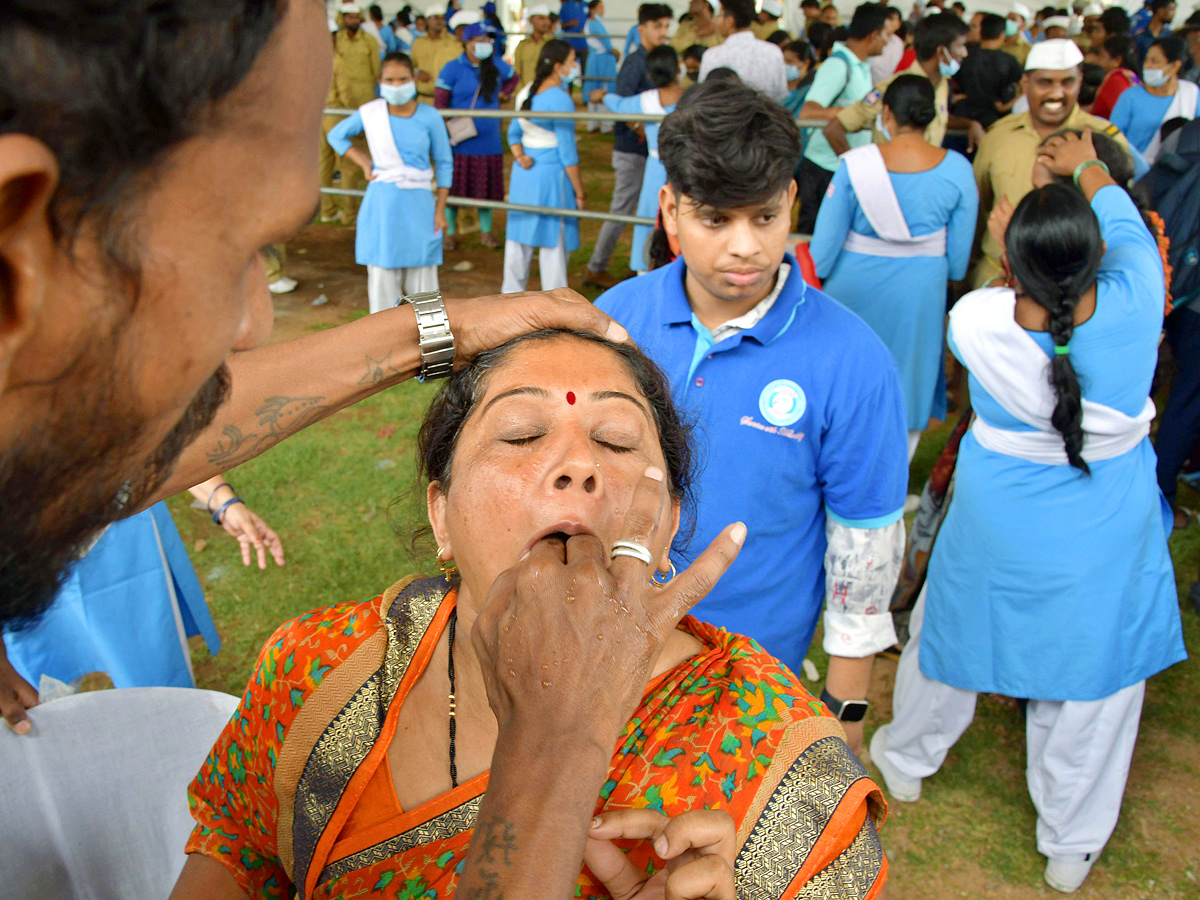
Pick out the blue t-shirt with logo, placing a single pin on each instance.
(798, 418)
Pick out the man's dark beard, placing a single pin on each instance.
(59, 487)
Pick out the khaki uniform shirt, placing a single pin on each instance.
(525, 58)
(861, 115)
(686, 36)
(357, 75)
(762, 32)
(1019, 50)
(429, 56)
(1004, 167)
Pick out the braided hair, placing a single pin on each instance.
(1054, 250)
(555, 53)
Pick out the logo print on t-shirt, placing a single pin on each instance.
(782, 402)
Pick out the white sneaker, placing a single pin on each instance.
(901, 789)
(284, 285)
(1066, 875)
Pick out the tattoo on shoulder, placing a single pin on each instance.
(379, 369)
(278, 417)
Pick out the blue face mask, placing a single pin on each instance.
(417, 32)
(398, 94)
(949, 69)
(1011, 28)
(1154, 77)
(482, 51)
(571, 75)
(887, 136)
(792, 73)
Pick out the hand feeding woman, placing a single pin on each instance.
(557, 467)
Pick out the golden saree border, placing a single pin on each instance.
(335, 757)
(858, 873)
(800, 829)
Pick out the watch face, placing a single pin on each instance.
(853, 710)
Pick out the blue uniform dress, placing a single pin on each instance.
(798, 418)
(117, 611)
(1046, 583)
(395, 225)
(461, 79)
(1139, 115)
(653, 177)
(601, 62)
(903, 299)
(545, 183)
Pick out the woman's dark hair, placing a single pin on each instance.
(397, 57)
(375, 12)
(592, 4)
(459, 396)
(912, 101)
(802, 48)
(404, 17)
(694, 52)
(779, 37)
(1173, 48)
(1089, 84)
(1115, 21)
(741, 11)
(489, 78)
(1054, 249)
(144, 78)
(555, 53)
(817, 33)
(1121, 48)
(722, 73)
(662, 66)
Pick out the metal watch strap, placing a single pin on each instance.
(433, 330)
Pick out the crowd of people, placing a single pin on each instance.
(960, 196)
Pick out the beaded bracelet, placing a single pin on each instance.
(220, 511)
(1079, 170)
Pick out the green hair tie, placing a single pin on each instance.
(1061, 350)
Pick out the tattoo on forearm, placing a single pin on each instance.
(493, 843)
(379, 369)
(278, 417)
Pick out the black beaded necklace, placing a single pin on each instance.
(453, 763)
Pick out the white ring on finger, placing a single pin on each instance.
(632, 549)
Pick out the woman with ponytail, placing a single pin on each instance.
(545, 172)
(476, 80)
(1050, 579)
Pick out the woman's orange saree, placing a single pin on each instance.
(297, 795)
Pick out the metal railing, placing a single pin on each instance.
(581, 115)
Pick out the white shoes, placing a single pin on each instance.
(1066, 875)
(900, 788)
(284, 285)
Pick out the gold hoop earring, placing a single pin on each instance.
(655, 575)
(447, 566)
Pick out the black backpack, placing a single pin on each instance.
(1173, 190)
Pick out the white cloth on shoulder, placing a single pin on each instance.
(1183, 105)
(389, 164)
(877, 199)
(533, 136)
(94, 804)
(1015, 370)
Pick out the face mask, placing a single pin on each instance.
(887, 136)
(792, 73)
(398, 94)
(1010, 28)
(1154, 77)
(571, 74)
(417, 32)
(949, 69)
(482, 51)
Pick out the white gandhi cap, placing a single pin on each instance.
(540, 10)
(1093, 9)
(1056, 22)
(773, 8)
(464, 17)
(349, 8)
(1057, 55)
(435, 9)
(1023, 11)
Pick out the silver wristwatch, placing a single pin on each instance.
(433, 328)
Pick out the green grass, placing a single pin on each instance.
(341, 496)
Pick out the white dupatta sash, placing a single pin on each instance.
(389, 165)
(1183, 105)
(652, 106)
(877, 199)
(533, 136)
(1015, 371)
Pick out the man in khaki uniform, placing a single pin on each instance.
(768, 21)
(432, 51)
(1015, 44)
(939, 39)
(700, 29)
(330, 204)
(1004, 163)
(355, 78)
(525, 56)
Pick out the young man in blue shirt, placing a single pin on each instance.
(797, 402)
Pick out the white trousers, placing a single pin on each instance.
(914, 438)
(605, 126)
(386, 286)
(1077, 753)
(551, 260)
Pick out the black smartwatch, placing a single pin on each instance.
(845, 710)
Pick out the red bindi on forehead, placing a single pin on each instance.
(570, 398)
